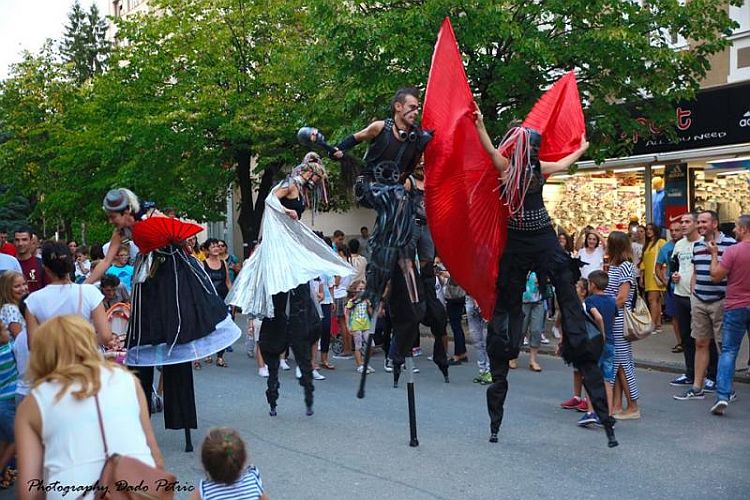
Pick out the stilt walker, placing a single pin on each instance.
(273, 284)
(512, 235)
(395, 147)
(176, 316)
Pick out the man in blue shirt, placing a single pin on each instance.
(664, 270)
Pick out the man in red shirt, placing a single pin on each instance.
(734, 266)
(31, 264)
(5, 247)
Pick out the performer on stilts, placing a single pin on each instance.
(177, 316)
(395, 147)
(532, 246)
(274, 282)
(435, 316)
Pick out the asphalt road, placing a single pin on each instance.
(359, 449)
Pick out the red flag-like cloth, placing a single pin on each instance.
(467, 220)
(558, 116)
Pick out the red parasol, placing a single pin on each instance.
(158, 232)
(467, 221)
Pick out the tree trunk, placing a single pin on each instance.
(245, 182)
(251, 215)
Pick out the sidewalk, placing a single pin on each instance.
(653, 353)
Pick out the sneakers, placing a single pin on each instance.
(415, 370)
(284, 365)
(583, 406)
(317, 375)
(416, 352)
(370, 369)
(709, 386)
(545, 340)
(690, 394)
(556, 332)
(343, 356)
(719, 407)
(525, 341)
(387, 365)
(484, 378)
(571, 404)
(588, 418)
(263, 371)
(298, 372)
(680, 381)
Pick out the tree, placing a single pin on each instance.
(514, 49)
(84, 45)
(197, 95)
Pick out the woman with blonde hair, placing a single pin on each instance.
(622, 286)
(57, 426)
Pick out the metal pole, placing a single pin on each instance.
(413, 441)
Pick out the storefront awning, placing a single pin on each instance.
(712, 154)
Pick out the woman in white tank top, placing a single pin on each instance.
(57, 428)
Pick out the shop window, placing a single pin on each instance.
(725, 192)
(605, 200)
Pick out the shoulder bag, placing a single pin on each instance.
(637, 319)
(127, 478)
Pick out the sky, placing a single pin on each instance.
(26, 24)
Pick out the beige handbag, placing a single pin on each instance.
(637, 320)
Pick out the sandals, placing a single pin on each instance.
(221, 363)
(209, 360)
(327, 366)
(677, 349)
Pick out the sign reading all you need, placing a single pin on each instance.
(717, 117)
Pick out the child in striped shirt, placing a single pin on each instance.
(230, 478)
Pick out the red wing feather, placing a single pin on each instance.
(558, 116)
(467, 221)
(158, 232)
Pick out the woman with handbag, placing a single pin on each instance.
(80, 405)
(622, 286)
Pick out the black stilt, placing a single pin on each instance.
(396, 374)
(413, 442)
(610, 430)
(188, 441)
(363, 378)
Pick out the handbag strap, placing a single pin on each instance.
(80, 307)
(101, 425)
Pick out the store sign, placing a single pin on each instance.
(676, 191)
(717, 117)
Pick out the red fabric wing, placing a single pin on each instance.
(558, 116)
(467, 221)
(158, 232)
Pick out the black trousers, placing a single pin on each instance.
(504, 334)
(435, 315)
(179, 395)
(298, 329)
(683, 311)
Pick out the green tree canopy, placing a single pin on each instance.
(202, 93)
